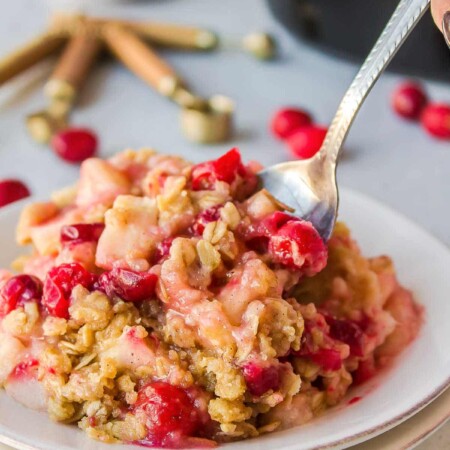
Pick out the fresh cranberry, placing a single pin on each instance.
(436, 120)
(11, 191)
(408, 100)
(226, 168)
(327, 358)
(258, 244)
(129, 285)
(298, 245)
(58, 287)
(271, 224)
(169, 412)
(260, 379)
(290, 241)
(286, 121)
(306, 142)
(81, 232)
(349, 332)
(19, 290)
(208, 215)
(258, 234)
(163, 250)
(365, 371)
(75, 144)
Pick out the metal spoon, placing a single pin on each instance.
(309, 186)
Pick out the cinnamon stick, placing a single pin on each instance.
(172, 35)
(140, 58)
(29, 54)
(74, 65)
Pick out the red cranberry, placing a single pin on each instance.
(258, 244)
(436, 120)
(58, 287)
(75, 144)
(260, 379)
(298, 246)
(129, 285)
(81, 232)
(260, 232)
(271, 224)
(365, 371)
(208, 215)
(287, 121)
(408, 100)
(169, 411)
(163, 250)
(11, 191)
(327, 358)
(19, 290)
(306, 142)
(258, 235)
(290, 241)
(349, 332)
(226, 168)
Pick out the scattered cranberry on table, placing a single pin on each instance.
(11, 191)
(436, 120)
(75, 144)
(288, 120)
(306, 142)
(295, 126)
(409, 99)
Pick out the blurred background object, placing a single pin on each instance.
(348, 28)
(203, 120)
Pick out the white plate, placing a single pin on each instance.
(405, 436)
(420, 374)
(416, 430)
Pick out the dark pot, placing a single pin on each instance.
(349, 29)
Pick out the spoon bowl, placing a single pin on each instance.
(309, 186)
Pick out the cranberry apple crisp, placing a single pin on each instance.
(177, 305)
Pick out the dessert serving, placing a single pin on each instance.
(174, 305)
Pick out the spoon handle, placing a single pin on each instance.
(404, 19)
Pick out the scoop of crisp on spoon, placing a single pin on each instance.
(309, 186)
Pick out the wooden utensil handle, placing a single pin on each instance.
(29, 54)
(77, 58)
(140, 58)
(180, 36)
(174, 35)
